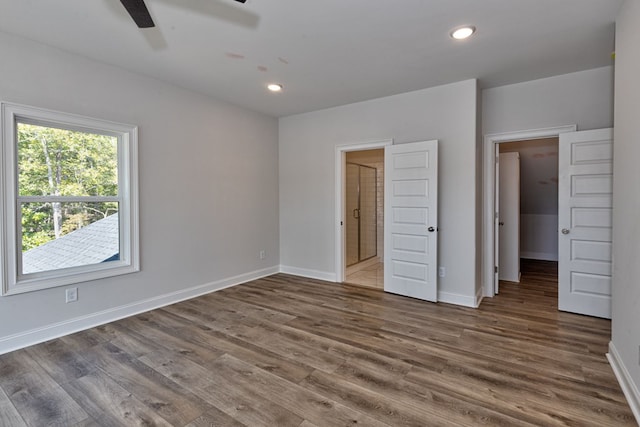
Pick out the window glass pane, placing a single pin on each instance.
(60, 235)
(60, 162)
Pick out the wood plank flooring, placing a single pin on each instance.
(288, 351)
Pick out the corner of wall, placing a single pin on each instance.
(479, 194)
(624, 379)
(309, 273)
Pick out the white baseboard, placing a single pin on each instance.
(464, 300)
(544, 256)
(312, 274)
(627, 385)
(45, 333)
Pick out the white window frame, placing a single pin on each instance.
(13, 281)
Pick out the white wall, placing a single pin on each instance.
(307, 175)
(584, 98)
(208, 186)
(626, 203)
(539, 237)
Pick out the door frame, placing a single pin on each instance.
(340, 194)
(489, 193)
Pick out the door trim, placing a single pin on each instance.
(340, 194)
(489, 197)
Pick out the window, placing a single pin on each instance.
(69, 210)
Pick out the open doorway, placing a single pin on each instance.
(584, 224)
(527, 175)
(369, 154)
(364, 218)
(490, 217)
(407, 217)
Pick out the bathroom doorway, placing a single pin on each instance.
(364, 217)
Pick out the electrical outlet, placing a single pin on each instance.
(71, 295)
(442, 272)
(263, 254)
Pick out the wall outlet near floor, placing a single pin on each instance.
(263, 254)
(442, 272)
(71, 295)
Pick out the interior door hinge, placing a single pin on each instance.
(495, 269)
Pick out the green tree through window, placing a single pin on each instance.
(55, 165)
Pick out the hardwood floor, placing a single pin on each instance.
(288, 351)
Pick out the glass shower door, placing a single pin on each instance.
(368, 231)
(361, 219)
(352, 222)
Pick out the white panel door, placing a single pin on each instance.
(509, 217)
(584, 219)
(411, 219)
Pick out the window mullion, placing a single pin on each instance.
(67, 199)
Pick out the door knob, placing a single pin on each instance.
(431, 229)
(501, 223)
(565, 231)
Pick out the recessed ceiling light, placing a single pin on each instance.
(462, 33)
(274, 87)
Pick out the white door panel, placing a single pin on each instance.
(509, 215)
(585, 210)
(410, 258)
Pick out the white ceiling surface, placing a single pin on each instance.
(325, 52)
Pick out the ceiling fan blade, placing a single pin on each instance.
(139, 12)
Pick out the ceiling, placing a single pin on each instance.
(325, 52)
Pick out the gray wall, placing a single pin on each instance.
(307, 175)
(208, 182)
(626, 197)
(584, 98)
